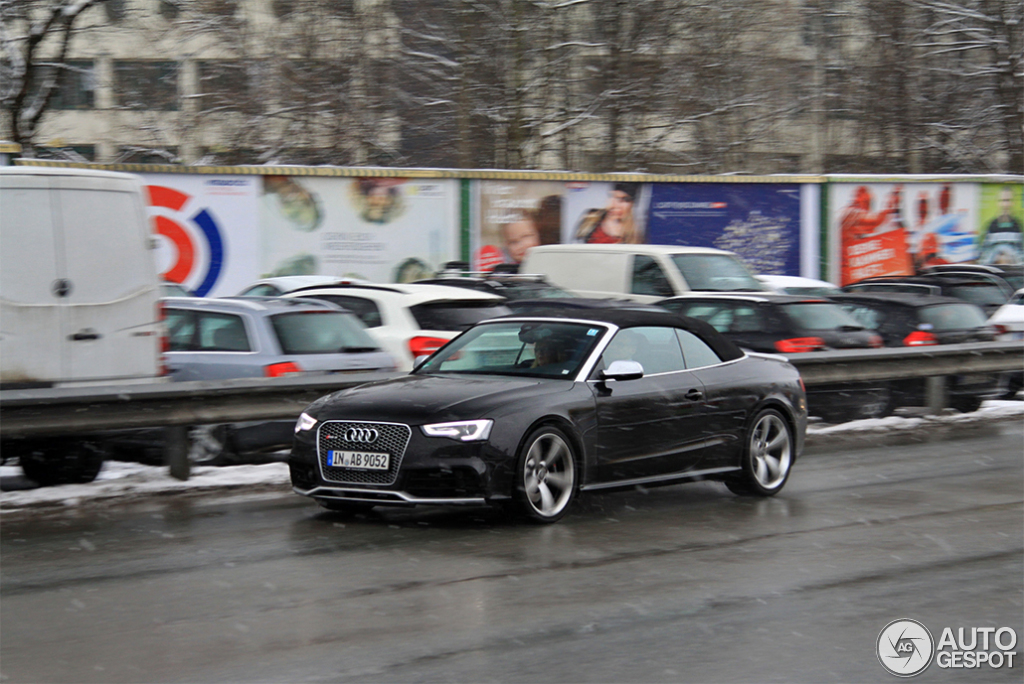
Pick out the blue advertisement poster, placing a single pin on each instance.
(758, 221)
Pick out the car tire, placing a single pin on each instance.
(209, 445)
(767, 456)
(62, 463)
(546, 477)
(1013, 385)
(966, 404)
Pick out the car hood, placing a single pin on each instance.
(415, 399)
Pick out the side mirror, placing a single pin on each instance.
(623, 370)
(418, 361)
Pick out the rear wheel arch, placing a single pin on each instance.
(782, 407)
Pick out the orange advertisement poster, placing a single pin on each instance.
(873, 240)
(878, 255)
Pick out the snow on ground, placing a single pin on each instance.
(119, 480)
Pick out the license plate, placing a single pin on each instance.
(358, 459)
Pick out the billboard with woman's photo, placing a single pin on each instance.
(513, 216)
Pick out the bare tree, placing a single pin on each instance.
(34, 39)
(973, 110)
(591, 85)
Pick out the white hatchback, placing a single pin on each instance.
(1008, 320)
(410, 320)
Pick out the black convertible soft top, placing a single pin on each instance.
(627, 317)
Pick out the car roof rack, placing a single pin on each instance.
(460, 269)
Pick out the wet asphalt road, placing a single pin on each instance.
(686, 583)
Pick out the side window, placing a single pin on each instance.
(261, 291)
(865, 315)
(696, 351)
(648, 278)
(222, 332)
(181, 329)
(655, 348)
(745, 318)
(365, 309)
(718, 316)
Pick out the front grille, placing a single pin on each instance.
(393, 440)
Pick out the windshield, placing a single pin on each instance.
(456, 315)
(542, 349)
(821, 316)
(982, 294)
(321, 332)
(953, 317)
(716, 273)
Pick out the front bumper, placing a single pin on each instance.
(384, 498)
(424, 470)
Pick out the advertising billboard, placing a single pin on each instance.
(379, 229)
(205, 227)
(761, 222)
(884, 229)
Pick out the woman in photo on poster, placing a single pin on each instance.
(615, 223)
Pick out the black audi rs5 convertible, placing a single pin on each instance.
(527, 412)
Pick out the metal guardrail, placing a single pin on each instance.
(54, 412)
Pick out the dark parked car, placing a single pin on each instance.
(790, 324)
(1013, 274)
(909, 320)
(528, 411)
(983, 289)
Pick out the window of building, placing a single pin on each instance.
(77, 86)
(68, 153)
(229, 85)
(115, 10)
(146, 155)
(222, 8)
(169, 9)
(146, 85)
(283, 8)
(840, 93)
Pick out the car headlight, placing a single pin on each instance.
(305, 422)
(463, 430)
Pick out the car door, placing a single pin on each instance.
(209, 345)
(728, 401)
(650, 427)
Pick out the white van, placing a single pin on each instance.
(79, 297)
(79, 290)
(645, 273)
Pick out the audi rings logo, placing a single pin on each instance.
(905, 647)
(361, 435)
